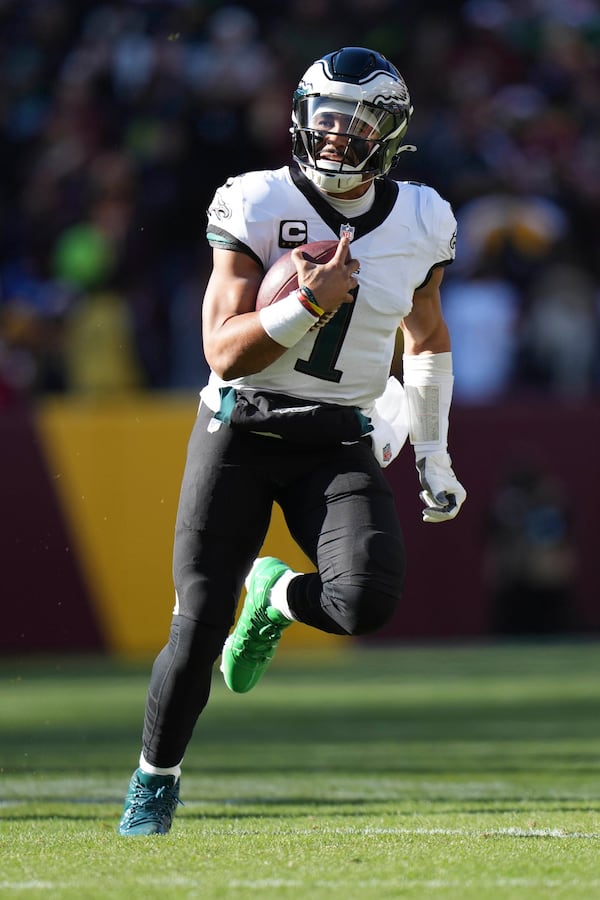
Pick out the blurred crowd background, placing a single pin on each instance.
(118, 121)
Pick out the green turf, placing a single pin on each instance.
(461, 773)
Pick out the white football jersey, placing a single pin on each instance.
(408, 231)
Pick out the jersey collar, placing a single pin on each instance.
(386, 192)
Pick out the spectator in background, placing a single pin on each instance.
(531, 562)
(561, 336)
(482, 314)
(97, 333)
(507, 240)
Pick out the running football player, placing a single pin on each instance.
(315, 364)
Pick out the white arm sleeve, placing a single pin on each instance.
(428, 383)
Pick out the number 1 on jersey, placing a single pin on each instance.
(328, 345)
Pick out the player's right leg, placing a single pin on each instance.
(223, 515)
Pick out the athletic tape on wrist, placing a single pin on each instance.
(428, 383)
(287, 321)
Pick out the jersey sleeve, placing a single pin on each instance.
(437, 243)
(444, 230)
(237, 219)
(439, 227)
(226, 226)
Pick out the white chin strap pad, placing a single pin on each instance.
(334, 183)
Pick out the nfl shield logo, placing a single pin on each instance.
(387, 453)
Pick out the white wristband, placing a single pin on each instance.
(428, 383)
(286, 321)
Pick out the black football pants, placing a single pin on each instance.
(339, 509)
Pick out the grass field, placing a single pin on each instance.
(435, 773)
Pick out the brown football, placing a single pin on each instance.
(281, 279)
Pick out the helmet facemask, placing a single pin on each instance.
(352, 136)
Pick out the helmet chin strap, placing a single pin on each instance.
(333, 182)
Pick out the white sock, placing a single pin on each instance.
(278, 594)
(149, 769)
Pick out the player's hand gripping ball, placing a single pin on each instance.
(282, 278)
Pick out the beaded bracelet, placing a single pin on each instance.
(306, 304)
(309, 301)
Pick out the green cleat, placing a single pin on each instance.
(150, 804)
(250, 647)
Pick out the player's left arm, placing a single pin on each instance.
(428, 382)
(424, 328)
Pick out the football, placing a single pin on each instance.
(281, 279)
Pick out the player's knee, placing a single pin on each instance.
(362, 610)
(191, 640)
(197, 601)
(374, 611)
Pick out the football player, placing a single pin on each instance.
(300, 407)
